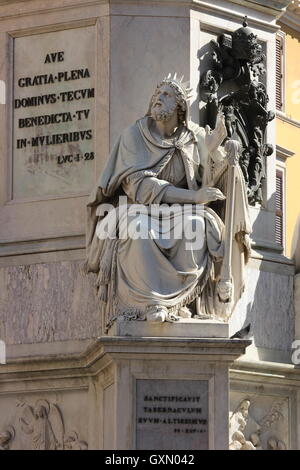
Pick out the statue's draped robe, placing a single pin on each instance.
(137, 274)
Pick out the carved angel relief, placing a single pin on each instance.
(239, 438)
(44, 425)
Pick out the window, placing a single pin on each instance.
(279, 216)
(280, 71)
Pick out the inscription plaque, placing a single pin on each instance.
(172, 414)
(53, 113)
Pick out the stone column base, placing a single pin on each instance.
(166, 393)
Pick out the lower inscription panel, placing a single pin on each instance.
(172, 414)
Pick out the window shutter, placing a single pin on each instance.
(279, 208)
(279, 73)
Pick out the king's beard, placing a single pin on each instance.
(160, 113)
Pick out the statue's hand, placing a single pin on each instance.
(205, 195)
(214, 139)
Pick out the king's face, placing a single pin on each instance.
(164, 101)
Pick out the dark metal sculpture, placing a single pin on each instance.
(238, 60)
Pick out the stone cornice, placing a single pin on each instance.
(284, 153)
(268, 6)
(269, 372)
(284, 117)
(291, 17)
(274, 8)
(269, 9)
(88, 359)
(291, 20)
(279, 5)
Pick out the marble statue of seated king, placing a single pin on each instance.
(151, 237)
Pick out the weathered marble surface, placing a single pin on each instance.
(47, 302)
(56, 302)
(130, 92)
(267, 304)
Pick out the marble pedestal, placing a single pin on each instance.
(166, 392)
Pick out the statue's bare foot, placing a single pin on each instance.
(184, 312)
(158, 315)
